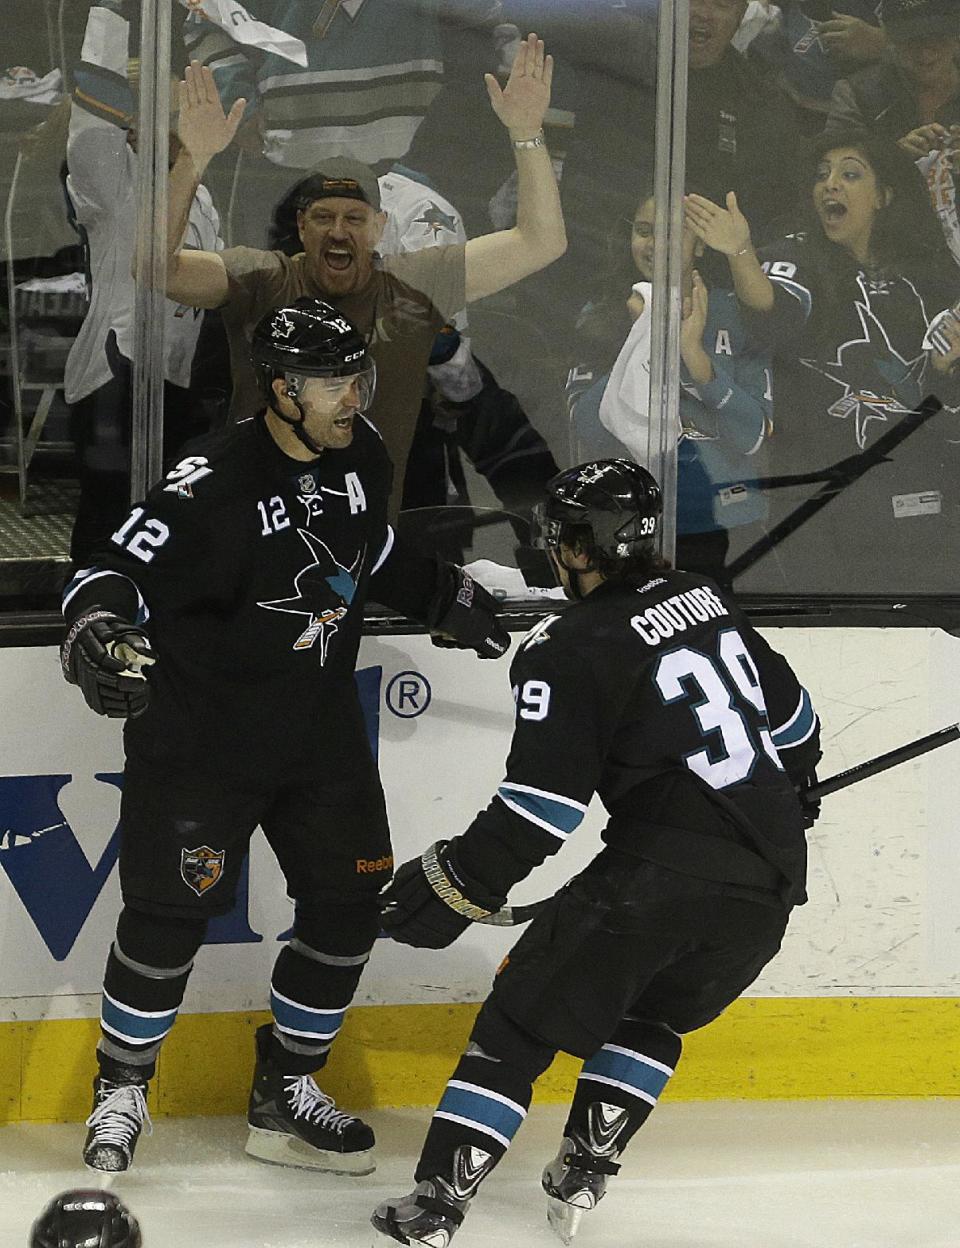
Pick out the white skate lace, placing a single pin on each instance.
(307, 1101)
(120, 1115)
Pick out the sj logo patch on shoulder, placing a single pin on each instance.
(186, 474)
(202, 867)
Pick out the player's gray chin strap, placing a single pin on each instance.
(298, 426)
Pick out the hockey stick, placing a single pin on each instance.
(514, 916)
(883, 762)
(836, 478)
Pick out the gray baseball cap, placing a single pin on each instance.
(339, 177)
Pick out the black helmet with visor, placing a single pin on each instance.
(310, 339)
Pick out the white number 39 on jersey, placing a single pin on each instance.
(533, 699)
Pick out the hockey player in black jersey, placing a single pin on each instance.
(223, 621)
(654, 692)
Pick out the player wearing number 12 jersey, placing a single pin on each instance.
(652, 691)
(223, 621)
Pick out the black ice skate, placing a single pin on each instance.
(429, 1215)
(118, 1116)
(293, 1123)
(435, 1208)
(576, 1180)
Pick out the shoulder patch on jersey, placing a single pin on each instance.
(185, 475)
(539, 633)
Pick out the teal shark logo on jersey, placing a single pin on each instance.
(436, 220)
(324, 592)
(879, 380)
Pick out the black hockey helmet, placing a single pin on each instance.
(617, 500)
(309, 338)
(86, 1219)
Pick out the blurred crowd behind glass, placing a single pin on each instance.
(817, 433)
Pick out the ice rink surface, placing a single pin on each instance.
(838, 1174)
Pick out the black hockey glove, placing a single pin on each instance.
(430, 902)
(463, 615)
(105, 656)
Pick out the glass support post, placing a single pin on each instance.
(146, 447)
(669, 177)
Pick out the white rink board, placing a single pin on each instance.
(885, 857)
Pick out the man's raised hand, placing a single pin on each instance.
(522, 104)
(204, 128)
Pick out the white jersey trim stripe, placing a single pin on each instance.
(308, 1035)
(640, 1057)
(553, 797)
(490, 1095)
(87, 575)
(532, 818)
(794, 289)
(793, 718)
(792, 745)
(307, 1009)
(308, 78)
(128, 1009)
(476, 1126)
(384, 554)
(625, 1087)
(135, 1039)
(759, 442)
(370, 425)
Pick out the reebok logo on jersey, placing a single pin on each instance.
(373, 866)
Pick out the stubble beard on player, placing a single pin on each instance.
(333, 434)
(326, 434)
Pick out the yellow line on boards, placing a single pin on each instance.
(394, 1055)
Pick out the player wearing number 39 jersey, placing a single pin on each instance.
(652, 691)
(223, 620)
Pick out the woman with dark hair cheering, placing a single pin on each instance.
(856, 309)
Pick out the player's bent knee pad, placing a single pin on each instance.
(651, 1037)
(155, 940)
(340, 931)
(501, 1038)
